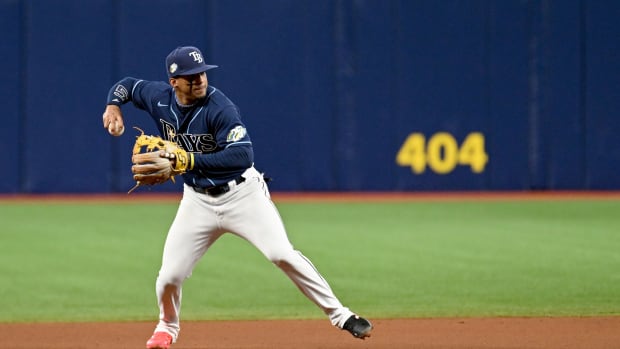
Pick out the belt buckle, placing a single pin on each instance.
(218, 190)
(199, 190)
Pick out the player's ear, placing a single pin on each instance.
(173, 82)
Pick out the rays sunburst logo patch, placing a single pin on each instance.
(236, 134)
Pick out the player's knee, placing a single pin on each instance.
(165, 280)
(280, 263)
(282, 260)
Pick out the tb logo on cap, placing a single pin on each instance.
(197, 56)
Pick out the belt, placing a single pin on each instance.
(219, 189)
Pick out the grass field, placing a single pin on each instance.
(97, 261)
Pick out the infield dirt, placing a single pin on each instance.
(476, 333)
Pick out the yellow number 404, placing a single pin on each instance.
(442, 153)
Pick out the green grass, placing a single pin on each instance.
(98, 261)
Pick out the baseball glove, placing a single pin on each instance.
(155, 160)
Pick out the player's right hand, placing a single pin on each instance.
(113, 120)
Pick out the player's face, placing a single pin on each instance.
(190, 87)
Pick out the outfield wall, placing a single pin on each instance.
(338, 95)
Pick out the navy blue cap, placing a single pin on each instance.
(186, 60)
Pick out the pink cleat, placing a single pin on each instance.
(159, 340)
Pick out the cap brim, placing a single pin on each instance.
(197, 70)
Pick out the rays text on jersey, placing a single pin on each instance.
(199, 143)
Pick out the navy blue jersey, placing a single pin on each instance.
(212, 129)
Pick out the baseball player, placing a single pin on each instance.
(222, 191)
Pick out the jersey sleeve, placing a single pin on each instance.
(120, 92)
(227, 160)
(139, 92)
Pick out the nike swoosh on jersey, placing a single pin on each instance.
(161, 105)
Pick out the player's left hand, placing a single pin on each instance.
(155, 160)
